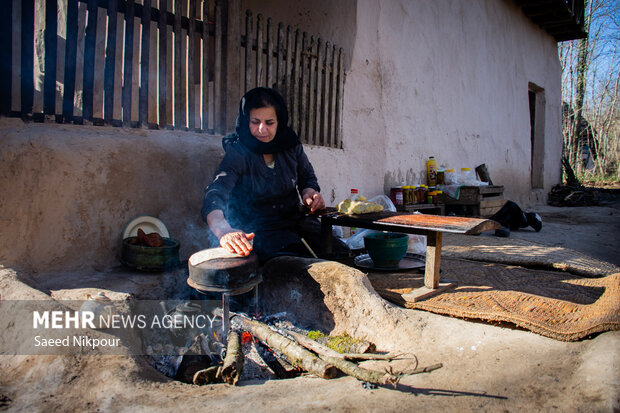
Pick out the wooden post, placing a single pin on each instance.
(288, 77)
(51, 48)
(311, 138)
(303, 121)
(319, 96)
(269, 61)
(6, 44)
(433, 260)
(205, 65)
(191, 66)
(260, 74)
(163, 57)
(296, 78)
(333, 64)
(127, 78)
(70, 60)
(340, 100)
(27, 55)
(108, 75)
(99, 68)
(326, 91)
(143, 115)
(248, 51)
(230, 70)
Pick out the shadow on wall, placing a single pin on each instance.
(68, 191)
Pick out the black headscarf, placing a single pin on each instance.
(257, 98)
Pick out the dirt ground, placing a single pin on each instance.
(485, 367)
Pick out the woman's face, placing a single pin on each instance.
(263, 123)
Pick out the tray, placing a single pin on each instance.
(409, 262)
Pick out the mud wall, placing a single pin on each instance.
(67, 191)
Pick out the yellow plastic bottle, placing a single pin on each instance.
(431, 171)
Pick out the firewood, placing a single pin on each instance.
(351, 369)
(313, 345)
(343, 363)
(233, 362)
(297, 355)
(207, 376)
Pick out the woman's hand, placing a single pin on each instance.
(313, 199)
(237, 242)
(231, 239)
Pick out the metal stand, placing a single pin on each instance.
(226, 294)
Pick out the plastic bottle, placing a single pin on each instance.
(450, 177)
(354, 194)
(431, 171)
(467, 176)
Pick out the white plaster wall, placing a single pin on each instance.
(447, 78)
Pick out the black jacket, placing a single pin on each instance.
(252, 195)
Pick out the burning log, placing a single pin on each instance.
(299, 356)
(233, 362)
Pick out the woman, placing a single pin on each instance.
(253, 203)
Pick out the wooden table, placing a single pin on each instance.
(433, 226)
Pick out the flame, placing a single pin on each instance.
(246, 337)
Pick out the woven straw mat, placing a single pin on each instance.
(556, 304)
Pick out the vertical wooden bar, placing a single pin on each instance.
(143, 116)
(326, 98)
(248, 51)
(312, 93)
(117, 99)
(163, 52)
(70, 60)
(110, 60)
(128, 66)
(78, 96)
(288, 97)
(179, 116)
(60, 59)
(135, 71)
(51, 49)
(269, 59)
(332, 90)
(260, 75)
(340, 99)
(303, 115)
(232, 77)
(6, 44)
(296, 79)
(205, 65)
(191, 69)
(89, 60)
(280, 76)
(16, 58)
(27, 55)
(38, 61)
(219, 94)
(153, 109)
(99, 67)
(319, 139)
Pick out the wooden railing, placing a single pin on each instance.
(307, 71)
(155, 63)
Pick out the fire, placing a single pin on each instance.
(246, 337)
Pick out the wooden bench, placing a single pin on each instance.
(433, 226)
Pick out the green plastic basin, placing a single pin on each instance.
(386, 249)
